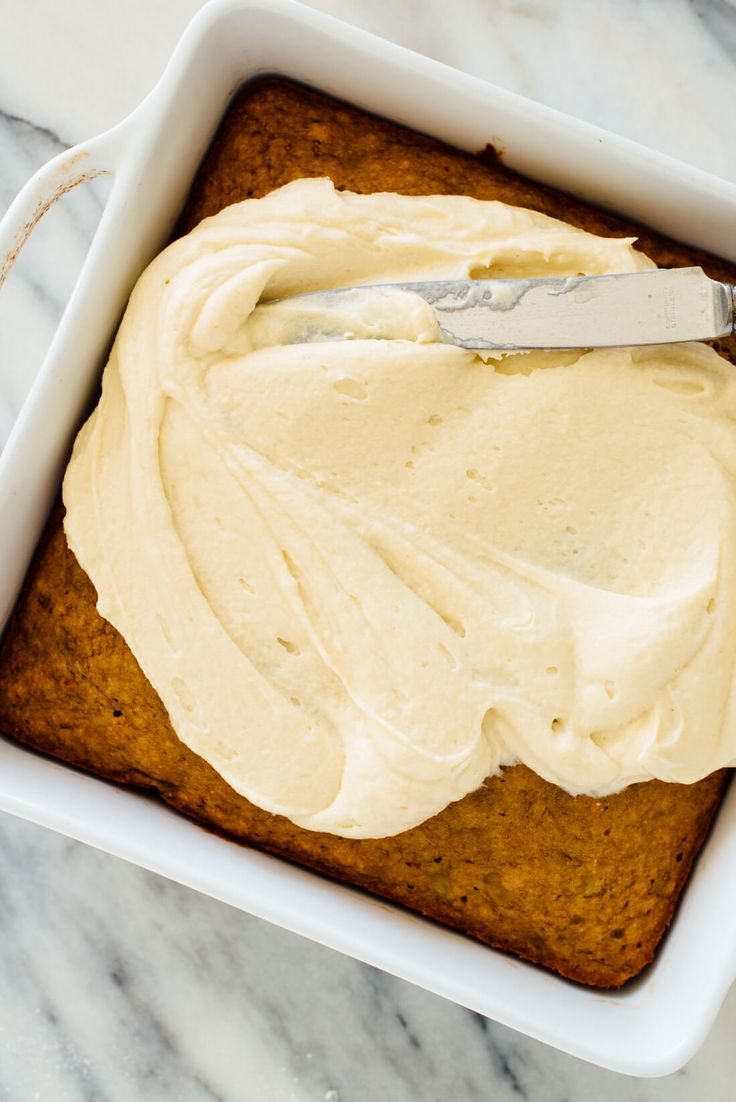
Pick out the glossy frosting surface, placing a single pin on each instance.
(364, 574)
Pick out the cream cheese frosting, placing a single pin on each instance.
(363, 575)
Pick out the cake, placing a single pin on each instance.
(580, 885)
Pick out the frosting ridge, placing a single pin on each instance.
(362, 575)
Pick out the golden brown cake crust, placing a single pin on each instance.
(586, 887)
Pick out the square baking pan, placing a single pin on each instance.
(655, 1024)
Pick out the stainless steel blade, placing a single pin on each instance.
(652, 307)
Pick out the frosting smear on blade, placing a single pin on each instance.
(362, 575)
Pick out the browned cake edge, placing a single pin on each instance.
(565, 882)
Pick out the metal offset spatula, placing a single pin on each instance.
(652, 307)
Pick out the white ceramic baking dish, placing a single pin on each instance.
(655, 1024)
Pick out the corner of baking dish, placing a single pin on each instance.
(652, 1026)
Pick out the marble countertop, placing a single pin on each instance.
(118, 986)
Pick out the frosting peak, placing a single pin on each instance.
(362, 575)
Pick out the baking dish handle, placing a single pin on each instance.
(78, 165)
(38, 441)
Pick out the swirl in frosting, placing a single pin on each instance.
(363, 575)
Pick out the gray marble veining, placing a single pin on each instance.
(116, 985)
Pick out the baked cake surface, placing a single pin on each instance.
(584, 886)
